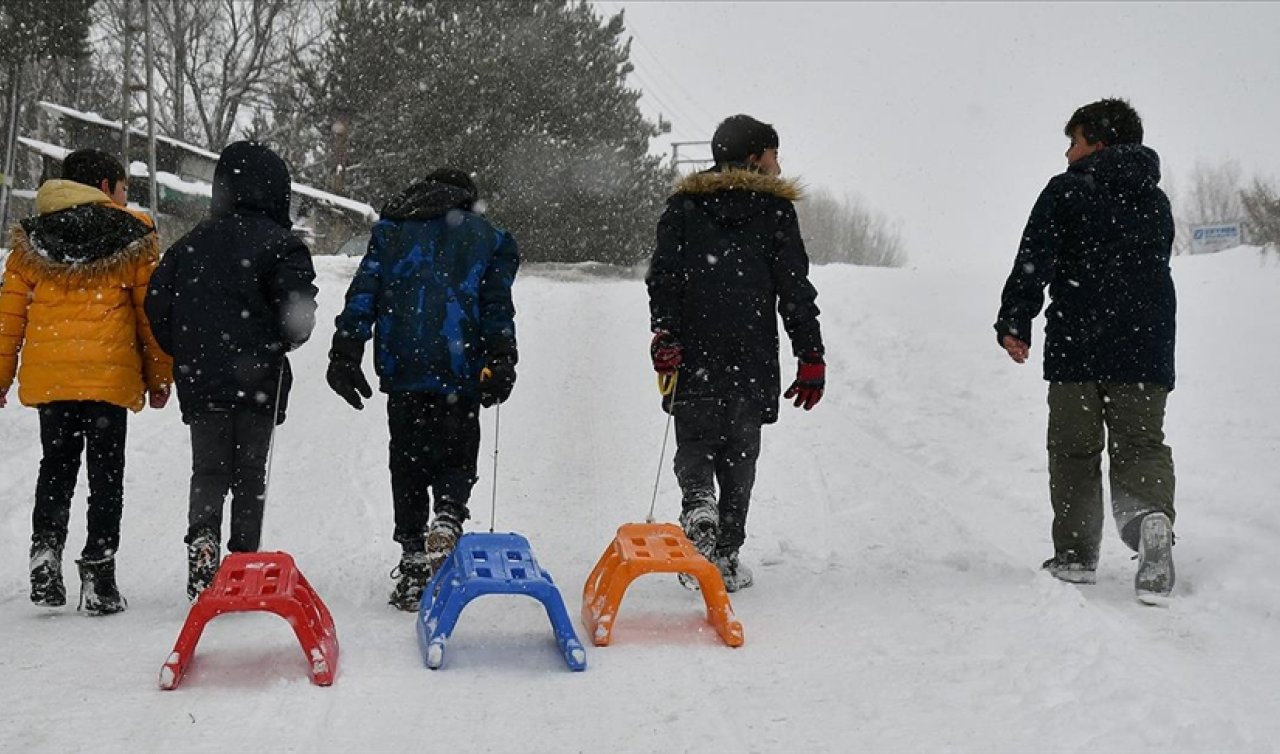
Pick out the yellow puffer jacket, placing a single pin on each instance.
(72, 304)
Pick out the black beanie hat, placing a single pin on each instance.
(455, 177)
(739, 136)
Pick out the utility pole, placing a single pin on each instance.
(132, 85)
(153, 200)
(11, 145)
(126, 92)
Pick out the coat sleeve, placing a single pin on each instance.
(157, 366)
(354, 324)
(15, 296)
(1023, 294)
(667, 276)
(797, 298)
(497, 312)
(158, 302)
(293, 292)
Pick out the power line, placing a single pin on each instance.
(651, 92)
(662, 69)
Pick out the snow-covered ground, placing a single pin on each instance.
(895, 535)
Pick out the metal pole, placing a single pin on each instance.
(153, 200)
(127, 79)
(11, 147)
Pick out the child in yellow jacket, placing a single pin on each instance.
(72, 305)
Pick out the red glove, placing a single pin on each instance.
(811, 379)
(666, 352)
(158, 398)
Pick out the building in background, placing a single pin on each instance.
(184, 181)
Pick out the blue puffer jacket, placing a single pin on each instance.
(434, 292)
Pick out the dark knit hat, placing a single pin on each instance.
(455, 177)
(740, 136)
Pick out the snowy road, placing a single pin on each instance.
(895, 536)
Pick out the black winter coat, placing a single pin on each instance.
(729, 255)
(231, 297)
(1100, 236)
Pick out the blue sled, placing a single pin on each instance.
(488, 563)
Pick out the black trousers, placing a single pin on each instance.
(434, 444)
(718, 442)
(229, 453)
(67, 428)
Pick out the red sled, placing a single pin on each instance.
(267, 581)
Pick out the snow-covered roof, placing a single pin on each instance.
(45, 148)
(364, 210)
(176, 183)
(98, 120)
(138, 169)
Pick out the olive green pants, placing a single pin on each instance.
(1141, 472)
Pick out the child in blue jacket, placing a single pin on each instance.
(434, 293)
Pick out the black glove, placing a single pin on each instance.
(347, 379)
(496, 381)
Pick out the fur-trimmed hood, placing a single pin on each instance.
(25, 253)
(737, 179)
(80, 234)
(734, 195)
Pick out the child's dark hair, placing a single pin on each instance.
(740, 136)
(91, 167)
(1110, 121)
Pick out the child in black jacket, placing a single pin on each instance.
(228, 301)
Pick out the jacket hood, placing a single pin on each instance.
(427, 199)
(251, 178)
(60, 194)
(735, 195)
(78, 225)
(1127, 166)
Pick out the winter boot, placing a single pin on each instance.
(736, 576)
(1154, 580)
(98, 592)
(442, 537)
(701, 524)
(1071, 567)
(203, 558)
(412, 576)
(47, 589)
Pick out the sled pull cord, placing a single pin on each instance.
(666, 386)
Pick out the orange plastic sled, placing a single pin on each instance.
(268, 581)
(652, 548)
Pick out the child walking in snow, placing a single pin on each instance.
(1100, 237)
(228, 301)
(72, 306)
(434, 292)
(729, 254)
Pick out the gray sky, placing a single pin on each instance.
(948, 117)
